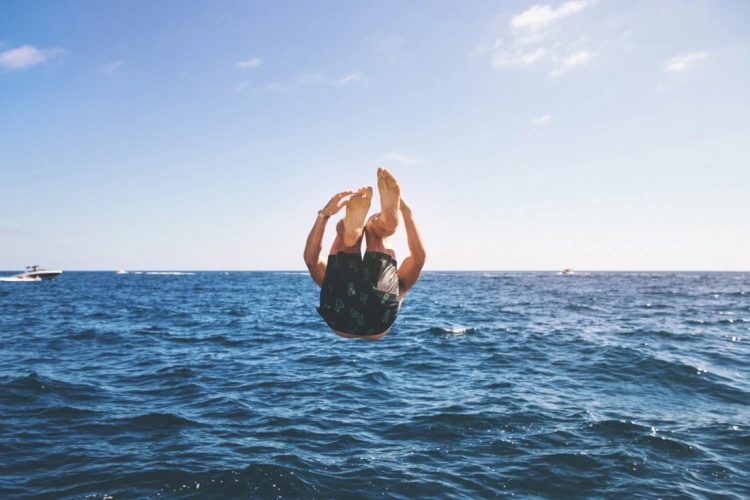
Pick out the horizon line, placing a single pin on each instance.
(423, 271)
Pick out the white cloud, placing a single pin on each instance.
(539, 17)
(684, 61)
(354, 77)
(20, 58)
(530, 38)
(250, 63)
(518, 58)
(542, 120)
(27, 56)
(312, 79)
(574, 60)
(534, 42)
(108, 69)
(318, 78)
(403, 159)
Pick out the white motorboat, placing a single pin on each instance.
(34, 273)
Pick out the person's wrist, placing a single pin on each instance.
(322, 215)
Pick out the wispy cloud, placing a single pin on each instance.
(353, 78)
(574, 60)
(250, 63)
(481, 50)
(403, 159)
(542, 120)
(317, 79)
(27, 56)
(108, 69)
(13, 232)
(684, 61)
(305, 78)
(517, 58)
(535, 39)
(539, 17)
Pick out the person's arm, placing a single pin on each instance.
(411, 267)
(314, 245)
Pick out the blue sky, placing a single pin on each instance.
(600, 135)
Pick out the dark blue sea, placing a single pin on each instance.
(214, 385)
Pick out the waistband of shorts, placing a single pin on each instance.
(378, 255)
(345, 256)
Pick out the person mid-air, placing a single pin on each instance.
(360, 297)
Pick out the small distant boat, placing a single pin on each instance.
(122, 271)
(567, 271)
(35, 273)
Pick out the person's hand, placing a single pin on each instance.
(336, 204)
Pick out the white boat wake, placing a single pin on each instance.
(16, 278)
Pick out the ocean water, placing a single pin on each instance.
(490, 385)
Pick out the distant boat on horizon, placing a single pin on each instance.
(567, 271)
(122, 271)
(34, 273)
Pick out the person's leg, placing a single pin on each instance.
(356, 211)
(382, 225)
(390, 199)
(374, 241)
(349, 229)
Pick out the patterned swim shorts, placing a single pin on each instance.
(359, 295)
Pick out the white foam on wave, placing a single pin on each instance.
(170, 273)
(457, 330)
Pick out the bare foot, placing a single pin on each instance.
(390, 198)
(356, 211)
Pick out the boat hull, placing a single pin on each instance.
(42, 275)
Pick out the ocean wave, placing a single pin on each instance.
(32, 387)
(157, 420)
(210, 339)
(456, 330)
(261, 480)
(169, 273)
(661, 445)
